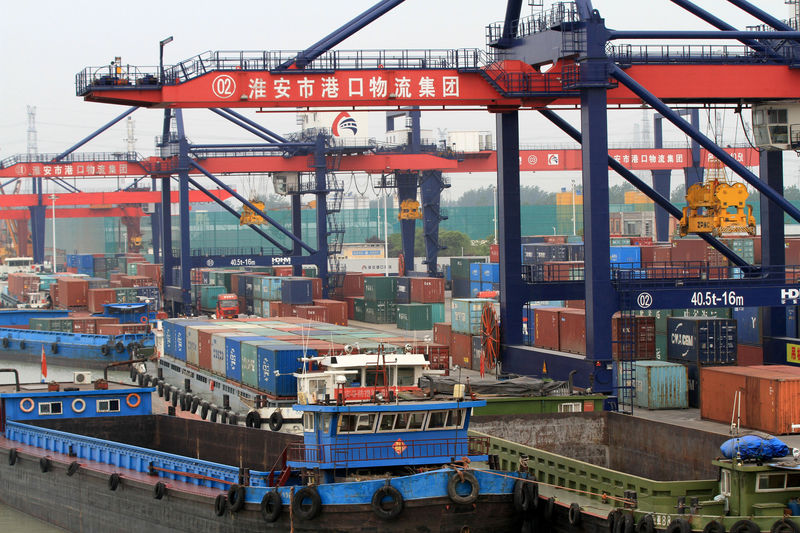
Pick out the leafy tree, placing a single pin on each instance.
(616, 193)
(678, 194)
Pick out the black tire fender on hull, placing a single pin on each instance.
(271, 506)
(679, 525)
(387, 510)
(306, 511)
(456, 480)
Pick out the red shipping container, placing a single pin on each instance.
(98, 297)
(494, 253)
(571, 331)
(283, 271)
(656, 253)
(316, 288)
(121, 329)
(317, 313)
(72, 270)
(204, 345)
(747, 355)
(336, 311)
(353, 284)
(554, 239)
(274, 308)
(575, 304)
(93, 326)
(441, 333)
(461, 350)
(150, 270)
(639, 335)
(689, 250)
(116, 276)
(54, 294)
(137, 281)
(769, 396)
(351, 306)
(559, 271)
(73, 292)
(427, 290)
(79, 325)
(641, 241)
(545, 324)
(20, 284)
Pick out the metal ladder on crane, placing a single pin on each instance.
(623, 341)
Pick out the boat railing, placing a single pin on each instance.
(396, 449)
(170, 466)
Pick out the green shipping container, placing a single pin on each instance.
(459, 266)
(208, 296)
(620, 241)
(249, 355)
(661, 346)
(359, 306)
(380, 312)
(380, 289)
(414, 317)
(437, 312)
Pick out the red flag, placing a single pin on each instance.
(44, 363)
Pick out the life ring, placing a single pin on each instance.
(21, 345)
(73, 468)
(26, 405)
(5, 342)
(12, 456)
(387, 510)
(220, 503)
(253, 419)
(714, 527)
(679, 525)
(236, 496)
(78, 405)
(783, 526)
(647, 525)
(119, 347)
(44, 464)
(301, 509)
(550, 508)
(104, 349)
(159, 490)
(143, 319)
(275, 421)
(271, 505)
(455, 481)
(520, 499)
(54, 347)
(133, 400)
(114, 481)
(574, 514)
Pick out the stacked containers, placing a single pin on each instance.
(414, 317)
(465, 322)
(699, 342)
(241, 358)
(379, 298)
(73, 292)
(403, 295)
(483, 277)
(545, 329)
(749, 321)
(276, 364)
(233, 369)
(460, 275)
(296, 291)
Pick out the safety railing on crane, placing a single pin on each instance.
(628, 54)
(76, 157)
(549, 19)
(244, 251)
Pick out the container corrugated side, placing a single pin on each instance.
(661, 385)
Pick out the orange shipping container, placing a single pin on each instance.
(768, 396)
(461, 350)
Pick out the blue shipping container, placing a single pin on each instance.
(630, 256)
(437, 312)
(661, 385)
(749, 320)
(465, 315)
(487, 286)
(703, 340)
(490, 272)
(475, 271)
(233, 356)
(474, 288)
(296, 291)
(169, 338)
(179, 341)
(276, 364)
(403, 295)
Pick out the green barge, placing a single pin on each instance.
(602, 472)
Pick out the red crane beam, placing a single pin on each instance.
(80, 212)
(429, 88)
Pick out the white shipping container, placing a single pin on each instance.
(193, 345)
(218, 351)
(469, 141)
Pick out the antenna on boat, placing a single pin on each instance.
(736, 412)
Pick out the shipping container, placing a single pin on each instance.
(380, 289)
(193, 347)
(661, 385)
(427, 290)
(707, 341)
(494, 253)
(460, 288)
(437, 312)
(572, 330)
(747, 355)
(336, 311)
(477, 352)
(545, 328)
(768, 398)
(461, 350)
(465, 315)
(633, 337)
(441, 333)
(296, 291)
(245, 353)
(626, 256)
(73, 292)
(460, 267)
(403, 295)
(414, 317)
(233, 369)
(276, 364)
(96, 298)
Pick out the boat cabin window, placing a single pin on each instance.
(317, 387)
(50, 408)
(375, 377)
(451, 419)
(108, 406)
(326, 422)
(725, 483)
(777, 481)
(405, 376)
(409, 421)
(358, 423)
(387, 422)
(308, 422)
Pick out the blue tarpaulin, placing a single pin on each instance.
(754, 447)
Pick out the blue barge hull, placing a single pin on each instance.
(88, 349)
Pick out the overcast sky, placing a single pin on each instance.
(46, 42)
